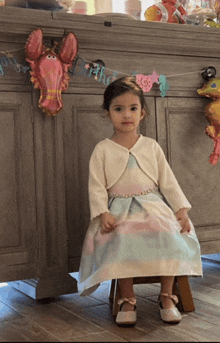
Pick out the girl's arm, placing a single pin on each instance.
(168, 184)
(98, 195)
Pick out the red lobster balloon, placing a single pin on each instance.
(49, 70)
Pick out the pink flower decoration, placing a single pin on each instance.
(145, 82)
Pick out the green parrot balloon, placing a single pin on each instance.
(211, 89)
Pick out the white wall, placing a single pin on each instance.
(105, 6)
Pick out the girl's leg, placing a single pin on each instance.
(126, 291)
(167, 287)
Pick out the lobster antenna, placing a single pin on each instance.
(55, 45)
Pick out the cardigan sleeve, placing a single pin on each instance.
(168, 184)
(98, 195)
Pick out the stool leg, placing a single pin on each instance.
(185, 296)
(112, 290)
(115, 308)
(176, 292)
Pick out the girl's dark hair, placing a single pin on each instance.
(120, 86)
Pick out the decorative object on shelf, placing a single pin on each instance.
(217, 9)
(167, 11)
(2, 2)
(80, 7)
(200, 15)
(211, 23)
(48, 5)
(133, 7)
(199, 11)
(211, 89)
(67, 4)
(49, 70)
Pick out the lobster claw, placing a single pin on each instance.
(69, 48)
(34, 45)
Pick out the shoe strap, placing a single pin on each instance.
(131, 301)
(170, 296)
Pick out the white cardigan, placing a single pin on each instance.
(108, 162)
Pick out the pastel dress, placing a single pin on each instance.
(147, 240)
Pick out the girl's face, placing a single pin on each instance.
(125, 113)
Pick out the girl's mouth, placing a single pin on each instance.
(127, 123)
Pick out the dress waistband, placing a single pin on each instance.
(115, 195)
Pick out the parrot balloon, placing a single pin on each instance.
(211, 89)
(49, 70)
(167, 11)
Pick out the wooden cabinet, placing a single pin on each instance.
(18, 253)
(44, 160)
(181, 124)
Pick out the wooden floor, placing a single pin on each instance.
(70, 318)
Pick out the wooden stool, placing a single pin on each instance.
(181, 288)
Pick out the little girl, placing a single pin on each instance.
(139, 222)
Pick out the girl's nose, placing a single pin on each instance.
(127, 113)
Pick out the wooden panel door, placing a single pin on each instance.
(181, 126)
(84, 125)
(17, 188)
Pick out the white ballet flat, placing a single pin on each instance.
(169, 315)
(126, 317)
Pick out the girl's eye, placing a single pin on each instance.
(118, 109)
(134, 108)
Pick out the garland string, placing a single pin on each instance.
(7, 53)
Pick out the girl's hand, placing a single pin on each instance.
(108, 222)
(183, 218)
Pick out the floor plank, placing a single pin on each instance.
(105, 336)
(49, 316)
(7, 313)
(71, 318)
(207, 312)
(102, 316)
(24, 330)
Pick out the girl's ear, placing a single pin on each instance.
(143, 113)
(107, 113)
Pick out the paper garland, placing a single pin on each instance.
(101, 75)
(10, 60)
(99, 72)
(146, 82)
